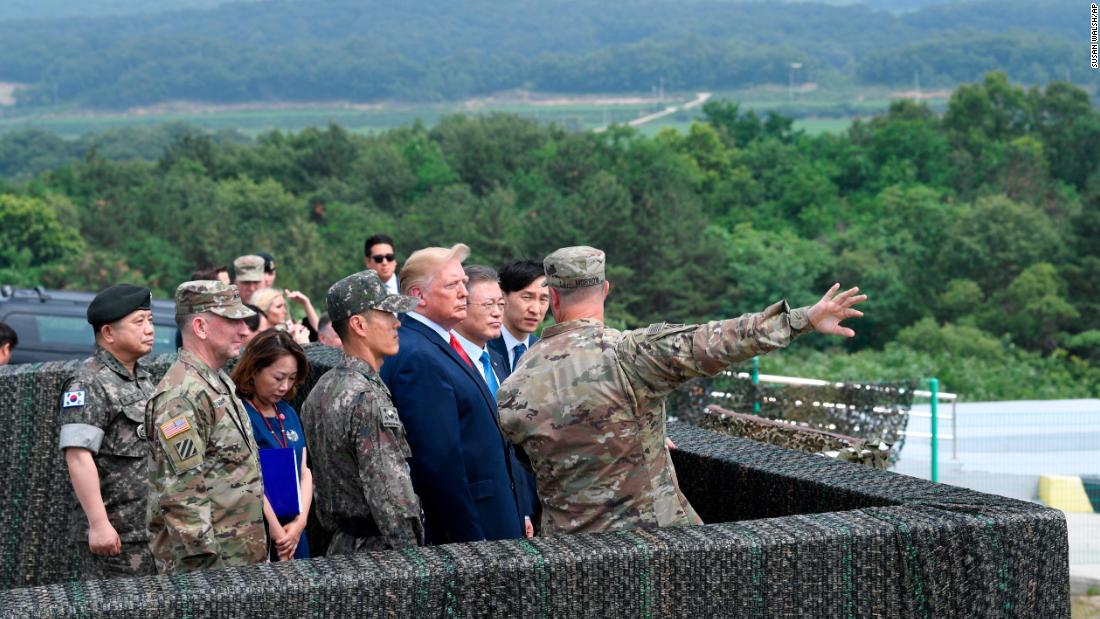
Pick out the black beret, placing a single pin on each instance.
(269, 261)
(117, 302)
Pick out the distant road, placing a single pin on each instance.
(700, 99)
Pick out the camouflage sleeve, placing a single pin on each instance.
(85, 411)
(179, 482)
(384, 473)
(661, 357)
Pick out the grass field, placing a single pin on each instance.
(815, 111)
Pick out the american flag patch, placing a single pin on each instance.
(175, 426)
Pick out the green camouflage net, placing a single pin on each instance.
(874, 412)
(791, 435)
(788, 534)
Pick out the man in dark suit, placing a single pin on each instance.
(482, 324)
(461, 464)
(380, 256)
(526, 300)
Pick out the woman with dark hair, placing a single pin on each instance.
(266, 376)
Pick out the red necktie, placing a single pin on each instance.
(461, 353)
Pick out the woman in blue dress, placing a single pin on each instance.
(270, 369)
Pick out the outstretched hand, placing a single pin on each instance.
(826, 314)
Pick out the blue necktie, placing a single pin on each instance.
(519, 350)
(490, 377)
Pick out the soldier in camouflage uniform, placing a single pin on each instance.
(102, 408)
(357, 441)
(206, 493)
(586, 403)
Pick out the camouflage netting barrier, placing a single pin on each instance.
(794, 436)
(790, 534)
(873, 412)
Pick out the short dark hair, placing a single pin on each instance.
(8, 335)
(265, 349)
(341, 328)
(323, 321)
(375, 240)
(253, 321)
(518, 275)
(209, 271)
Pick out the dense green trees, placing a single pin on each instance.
(281, 50)
(974, 234)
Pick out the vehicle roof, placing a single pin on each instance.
(43, 295)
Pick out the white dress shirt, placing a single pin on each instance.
(510, 342)
(391, 285)
(443, 333)
(475, 355)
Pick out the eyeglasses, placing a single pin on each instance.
(489, 305)
(380, 258)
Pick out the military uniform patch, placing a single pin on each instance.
(185, 448)
(390, 418)
(72, 398)
(181, 444)
(175, 426)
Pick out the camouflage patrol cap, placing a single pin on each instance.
(361, 291)
(249, 268)
(575, 267)
(207, 295)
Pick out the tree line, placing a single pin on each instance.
(280, 50)
(976, 233)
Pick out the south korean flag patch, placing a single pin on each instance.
(69, 399)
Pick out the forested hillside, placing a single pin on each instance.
(285, 50)
(976, 234)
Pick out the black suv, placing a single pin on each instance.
(52, 325)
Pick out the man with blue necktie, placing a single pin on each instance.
(526, 300)
(462, 467)
(482, 324)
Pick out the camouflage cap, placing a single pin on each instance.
(575, 267)
(207, 295)
(249, 268)
(361, 291)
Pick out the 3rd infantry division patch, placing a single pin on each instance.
(185, 448)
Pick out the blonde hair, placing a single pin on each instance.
(264, 297)
(421, 267)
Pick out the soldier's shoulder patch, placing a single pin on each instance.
(390, 418)
(661, 327)
(175, 426)
(73, 398)
(181, 444)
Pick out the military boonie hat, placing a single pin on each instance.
(361, 291)
(207, 295)
(117, 302)
(575, 267)
(249, 269)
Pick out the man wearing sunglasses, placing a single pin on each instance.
(380, 257)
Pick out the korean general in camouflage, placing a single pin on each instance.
(102, 408)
